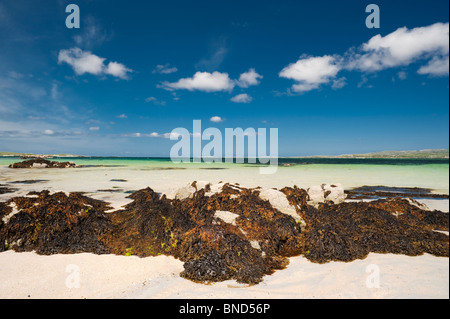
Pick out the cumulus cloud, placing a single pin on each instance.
(82, 62)
(85, 62)
(242, 98)
(118, 70)
(202, 81)
(437, 66)
(248, 79)
(397, 49)
(213, 82)
(402, 47)
(311, 72)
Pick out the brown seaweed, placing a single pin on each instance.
(255, 244)
(56, 224)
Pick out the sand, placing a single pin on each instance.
(28, 275)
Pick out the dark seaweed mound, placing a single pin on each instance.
(255, 245)
(4, 189)
(55, 224)
(41, 161)
(351, 231)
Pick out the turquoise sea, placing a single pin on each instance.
(167, 162)
(303, 172)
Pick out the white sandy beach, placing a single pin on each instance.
(28, 275)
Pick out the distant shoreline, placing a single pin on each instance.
(431, 153)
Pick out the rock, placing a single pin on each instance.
(324, 193)
(334, 193)
(422, 206)
(279, 201)
(185, 192)
(42, 163)
(227, 217)
(316, 194)
(188, 190)
(215, 189)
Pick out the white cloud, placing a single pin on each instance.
(401, 47)
(438, 66)
(94, 128)
(248, 79)
(202, 81)
(311, 72)
(242, 98)
(122, 116)
(82, 62)
(85, 62)
(118, 70)
(216, 119)
(165, 69)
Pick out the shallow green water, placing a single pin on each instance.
(302, 172)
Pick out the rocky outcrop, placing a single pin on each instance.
(324, 193)
(42, 163)
(222, 231)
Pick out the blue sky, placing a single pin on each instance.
(136, 70)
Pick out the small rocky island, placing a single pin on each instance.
(42, 163)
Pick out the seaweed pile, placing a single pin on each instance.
(350, 231)
(213, 250)
(54, 224)
(221, 233)
(42, 163)
(376, 192)
(5, 189)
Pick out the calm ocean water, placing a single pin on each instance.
(303, 172)
(131, 161)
